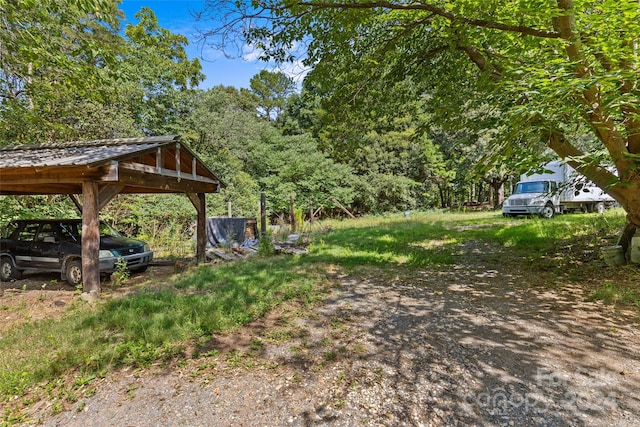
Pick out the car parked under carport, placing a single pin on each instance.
(55, 246)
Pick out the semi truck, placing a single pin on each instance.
(558, 189)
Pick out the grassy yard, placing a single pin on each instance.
(164, 322)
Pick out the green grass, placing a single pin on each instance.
(433, 238)
(613, 294)
(158, 323)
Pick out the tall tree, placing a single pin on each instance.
(156, 69)
(551, 66)
(54, 59)
(272, 90)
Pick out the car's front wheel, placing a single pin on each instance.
(74, 272)
(8, 270)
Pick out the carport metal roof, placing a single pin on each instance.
(158, 164)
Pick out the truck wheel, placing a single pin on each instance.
(599, 207)
(74, 272)
(8, 270)
(548, 211)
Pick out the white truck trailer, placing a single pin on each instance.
(558, 189)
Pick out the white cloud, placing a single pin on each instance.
(296, 70)
(251, 53)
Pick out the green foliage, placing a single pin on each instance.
(120, 276)
(67, 73)
(166, 222)
(265, 245)
(379, 193)
(293, 166)
(28, 207)
(537, 73)
(158, 72)
(55, 58)
(251, 156)
(271, 90)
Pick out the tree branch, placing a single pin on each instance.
(603, 123)
(602, 177)
(520, 29)
(477, 57)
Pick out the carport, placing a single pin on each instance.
(99, 170)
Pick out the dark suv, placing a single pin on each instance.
(54, 246)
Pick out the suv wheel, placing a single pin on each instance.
(8, 270)
(74, 272)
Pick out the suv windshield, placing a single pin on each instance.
(73, 230)
(107, 231)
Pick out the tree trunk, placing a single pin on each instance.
(628, 232)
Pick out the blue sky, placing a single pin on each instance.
(174, 16)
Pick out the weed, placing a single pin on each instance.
(235, 359)
(131, 389)
(611, 294)
(358, 348)
(256, 344)
(337, 322)
(295, 350)
(279, 336)
(265, 245)
(84, 380)
(56, 408)
(121, 274)
(330, 356)
(295, 378)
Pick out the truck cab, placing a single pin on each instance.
(540, 197)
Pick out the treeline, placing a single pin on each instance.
(69, 73)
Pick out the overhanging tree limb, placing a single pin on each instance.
(520, 29)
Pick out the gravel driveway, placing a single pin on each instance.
(463, 345)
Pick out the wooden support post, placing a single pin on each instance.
(199, 202)
(178, 171)
(229, 213)
(292, 214)
(107, 193)
(263, 214)
(75, 201)
(311, 210)
(90, 242)
(159, 161)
